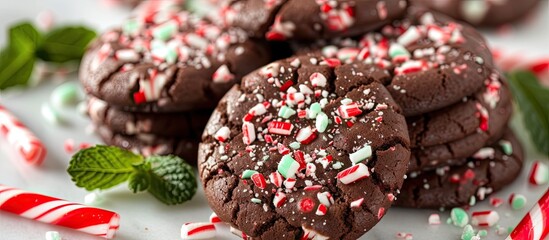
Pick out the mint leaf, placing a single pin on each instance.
(139, 180)
(65, 44)
(15, 67)
(102, 167)
(25, 33)
(533, 100)
(17, 58)
(172, 180)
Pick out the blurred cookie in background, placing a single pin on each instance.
(482, 13)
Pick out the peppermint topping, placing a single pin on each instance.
(222, 134)
(222, 75)
(353, 174)
(337, 16)
(360, 155)
(161, 41)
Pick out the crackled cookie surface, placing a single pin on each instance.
(427, 61)
(305, 147)
(486, 171)
(310, 19)
(169, 61)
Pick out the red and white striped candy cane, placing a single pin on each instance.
(59, 212)
(535, 225)
(21, 138)
(512, 61)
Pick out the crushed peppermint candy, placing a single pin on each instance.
(434, 219)
(484, 218)
(539, 173)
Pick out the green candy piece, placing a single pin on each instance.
(468, 233)
(65, 94)
(483, 233)
(398, 50)
(256, 200)
(53, 235)
(314, 109)
(459, 217)
(248, 173)
(131, 27)
(286, 112)
(472, 201)
(295, 145)
(321, 122)
(506, 147)
(288, 166)
(50, 114)
(171, 55)
(518, 202)
(165, 31)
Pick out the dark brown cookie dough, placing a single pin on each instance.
(310, 19)
(148, 144)
(275, 153)
(483, 13)
(180, 124)
(428, 61)
(486, 111)
(453, 153)
(169, 62)
(488, 171)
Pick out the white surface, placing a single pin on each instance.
(142, 217)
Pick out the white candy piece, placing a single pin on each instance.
(485, 218)
(357, 203)
(53, 235)
(539, 174)
(434, 219)
(248, 132)
(325, 198)
(484, 153)
(51, 115)
(222, 75)
(222, 134)
(353, 174)
(195, 231)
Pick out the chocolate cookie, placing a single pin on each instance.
(180, 124)
(486, 111)
(451, 153)
(427, 60)
(310, 19)
(290, 154)
(148, 144)
(488, 171)
(485, 13)
(169, 62)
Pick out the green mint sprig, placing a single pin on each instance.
(26, 44)
(533, 101)
(168, 178)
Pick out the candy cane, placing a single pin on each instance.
(95, 221)
(535, 225)
(21, 138)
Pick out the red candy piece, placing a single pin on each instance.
(259, 180)
(306, 205)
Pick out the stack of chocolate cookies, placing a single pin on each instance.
(381, 104)
(311, 147)
(153, 83)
